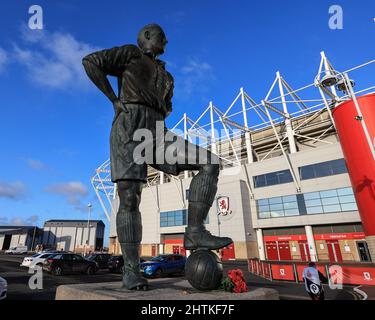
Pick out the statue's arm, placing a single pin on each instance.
(110, 62)
(168, 99)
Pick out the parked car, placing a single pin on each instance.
(115, 264)
(3, 288)
(17, 250)
(64, 263)
(164, 264)
(100, 259)
(35, 260)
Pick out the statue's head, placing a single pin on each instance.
(152, 39)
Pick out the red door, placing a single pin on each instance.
(183, 251)
(271, 248)
(228, 253)
(334, 251)
(304, 250)
(284, 251)
(153, 250)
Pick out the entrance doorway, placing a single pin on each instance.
(271, 248)
(284, 251)
(278, 250)
(334, 251)
(363, 251)
(7, 240)
(154, 250)
(304, 250)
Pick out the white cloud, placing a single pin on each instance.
(3, 59)
(193, 78)
(17, 221)
(36, 164)
(12, 190)
(53, 59)
(74, 193)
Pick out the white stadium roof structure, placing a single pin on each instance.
(248, 131)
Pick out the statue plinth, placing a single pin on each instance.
(159, 289)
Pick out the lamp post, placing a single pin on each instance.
(89, 206)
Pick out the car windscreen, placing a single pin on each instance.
(35, 255)
(158, 258)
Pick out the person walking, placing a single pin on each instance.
(314, 280)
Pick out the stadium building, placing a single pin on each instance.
(284, 190)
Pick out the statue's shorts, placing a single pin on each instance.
(140, 138)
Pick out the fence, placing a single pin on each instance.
(360, 274)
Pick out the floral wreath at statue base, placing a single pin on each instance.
(235, 282)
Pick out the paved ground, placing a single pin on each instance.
(18, 279)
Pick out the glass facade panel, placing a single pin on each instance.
(328, 193)
(273, 178)
(313, 203)
(314, 210)
(173, 218)
(291, 212)
(291, 205)
(323, 169)
(332, 208)
(311, 195)
(333, 200)
(275, 200)
(276, 206)
(262, 202)
(347, 199)
(277, 213)
(349, 207)
(325, 201)
(344, 191)
(289, 198)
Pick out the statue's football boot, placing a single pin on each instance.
(200, 238)
(132, 280)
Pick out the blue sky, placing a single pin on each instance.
(55, 125)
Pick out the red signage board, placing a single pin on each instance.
(352, 275)
(283, 272)
(326, 236)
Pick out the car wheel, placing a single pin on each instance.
(158, 273)
(58, 271)
(90, 270)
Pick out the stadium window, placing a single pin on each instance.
(330, 201)
(173, 218)
(323, 169)
(325, 201)
(273, 178)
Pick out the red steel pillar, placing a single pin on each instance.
(359, 158)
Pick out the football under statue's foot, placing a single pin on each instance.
(203, 239)
(134, 281)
